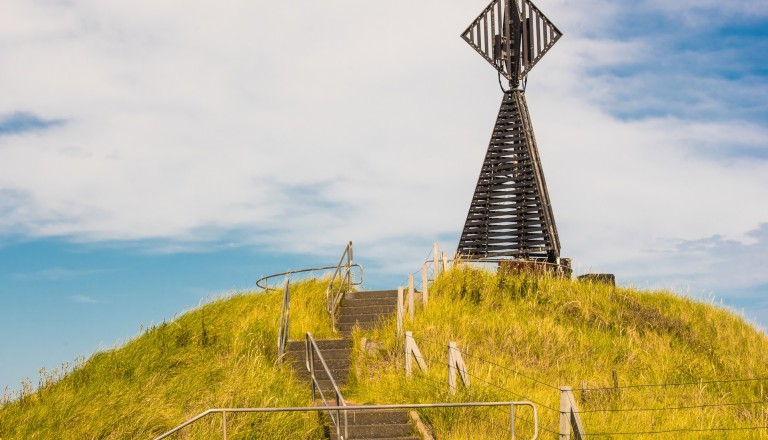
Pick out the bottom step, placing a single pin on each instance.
(378, 431)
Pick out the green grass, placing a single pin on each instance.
(512, 328)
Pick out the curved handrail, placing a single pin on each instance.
(265, 286)
(312, 348)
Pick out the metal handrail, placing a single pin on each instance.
(265, 285)
(334, 299)
(282, 334)
(312, 348)
(224, 411)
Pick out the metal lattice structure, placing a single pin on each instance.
(510, 215)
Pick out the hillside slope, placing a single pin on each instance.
(219, 355)
(521, 336)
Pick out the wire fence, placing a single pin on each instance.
(661, 391)
(485, 382)
(432, 363)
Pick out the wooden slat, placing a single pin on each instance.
(506, 215)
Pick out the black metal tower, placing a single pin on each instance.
(510, 215)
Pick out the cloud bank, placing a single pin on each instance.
(297, 126)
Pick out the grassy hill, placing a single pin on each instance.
(521, 336)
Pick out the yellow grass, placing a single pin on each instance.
(522, 338)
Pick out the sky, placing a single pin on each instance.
(156, 154)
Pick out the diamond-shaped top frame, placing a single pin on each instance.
(512, 35)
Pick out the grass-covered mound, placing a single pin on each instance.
(219, 355)
(524, 336)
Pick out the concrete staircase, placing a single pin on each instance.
(364, 309)
(337, 354)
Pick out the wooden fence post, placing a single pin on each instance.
(412, 352)
(408, 354)
(424, 284)
(399, 312)
(411, 300)
(569, 416)
(456, 365)
(445, 262)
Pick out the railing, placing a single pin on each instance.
(225, 411)
(344, 273)
(312, 349)
(263, 282)
(285, 318)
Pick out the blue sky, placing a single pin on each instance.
(153, 154)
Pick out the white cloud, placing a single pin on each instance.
(55, 273)
(302, 125)
(83, 299)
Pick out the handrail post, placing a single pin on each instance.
(512, 420)
(224, 424)
(310, 360)
(338, 418)
(282, 335)
(349, 267)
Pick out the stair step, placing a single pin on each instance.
(372, 317)
(366, 310)
(378, 431)
(382, 417)
(377, 294)
(322, 344)
(328, 355)
(369, 302)
(345, 328)
(323, 375)
(333, 364)
(326, 385)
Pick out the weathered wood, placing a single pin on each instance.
(510, 212)
(456, 366)
(411, 298)
(412, 352)
(424, 284)
(512, 35)
(570, 420)
(399, 312)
